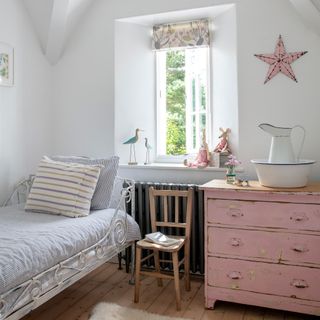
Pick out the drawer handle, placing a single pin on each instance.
(299, 218)
(300, 248)
(235, 275)
(235, 213)
(235, 242)
(301, 284)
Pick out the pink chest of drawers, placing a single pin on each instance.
(262, 246)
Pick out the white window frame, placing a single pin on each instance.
(160, 57)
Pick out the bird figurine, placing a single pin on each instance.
(148, 148)
(132, 141)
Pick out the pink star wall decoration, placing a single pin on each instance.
(280, 61)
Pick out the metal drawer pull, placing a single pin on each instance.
(299, 218)
(234, 275)
(299, 283)
(235, 242)
(300, 248)
(235, 213)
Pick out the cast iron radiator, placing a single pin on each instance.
(142, 216)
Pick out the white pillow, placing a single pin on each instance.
(102, 195)
(63, 188)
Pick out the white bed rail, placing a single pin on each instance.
(27, 296)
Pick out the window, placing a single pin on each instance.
(183, 109)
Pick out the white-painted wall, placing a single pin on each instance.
(225, 78)
(135, 76)
(84, 79)
(25, 108)
(281, 101)
(135, 93)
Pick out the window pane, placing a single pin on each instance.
(194, 132)
(193, 95)
(182, 100)
(203, 121)
(203, 97)
(175, 103)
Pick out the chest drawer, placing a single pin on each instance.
(264, 214)
(274, 246)
(280, 280)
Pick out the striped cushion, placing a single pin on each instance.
(102, 194)
(63, 188)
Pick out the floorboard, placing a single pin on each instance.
(109, 284)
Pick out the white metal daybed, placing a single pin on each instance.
(42, 254)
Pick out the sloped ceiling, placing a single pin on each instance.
(309, 10)
(54, 22)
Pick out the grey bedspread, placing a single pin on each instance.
(33, 242)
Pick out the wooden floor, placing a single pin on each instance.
(109, 284)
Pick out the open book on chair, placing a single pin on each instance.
(161, 239)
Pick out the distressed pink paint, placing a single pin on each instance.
(281, 280)
(269, 246)
(264, 214)
(262, 248)
(280, 61)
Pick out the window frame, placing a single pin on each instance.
(160, 60)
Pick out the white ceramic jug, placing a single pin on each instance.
(281, 150)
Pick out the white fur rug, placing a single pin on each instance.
(112, 311)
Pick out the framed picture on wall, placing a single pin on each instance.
(6, 65)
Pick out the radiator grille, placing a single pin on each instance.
(142, 217)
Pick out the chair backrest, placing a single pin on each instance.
(169, 201)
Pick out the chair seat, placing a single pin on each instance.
(153, 246)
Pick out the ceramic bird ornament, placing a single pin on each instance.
(148, 148)
(132, 141)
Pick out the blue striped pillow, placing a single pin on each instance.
(63, 188)
(102, 194)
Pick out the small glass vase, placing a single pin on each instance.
(230, 175)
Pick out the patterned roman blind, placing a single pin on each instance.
(181, 35)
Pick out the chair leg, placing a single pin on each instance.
(187, 265)
(157, 266)
(137, 278)
(176, 278)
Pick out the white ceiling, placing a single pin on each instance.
(54, 22)
(309, 10)
(176, 16)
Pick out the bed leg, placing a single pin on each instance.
(133, 253)
(128, 257)
(119, 260)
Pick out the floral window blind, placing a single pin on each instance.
(181, 35)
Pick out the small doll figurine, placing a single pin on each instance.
(223, 145)
(203, 157)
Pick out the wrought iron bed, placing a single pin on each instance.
(25, 297)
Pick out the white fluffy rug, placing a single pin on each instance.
(112, 311)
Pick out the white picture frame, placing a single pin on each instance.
(6, 65)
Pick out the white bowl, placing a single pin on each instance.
(283, 175)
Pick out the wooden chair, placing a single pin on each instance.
(165, 197)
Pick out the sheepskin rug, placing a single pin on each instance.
(112, 311)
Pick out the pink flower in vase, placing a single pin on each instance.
(231, 163)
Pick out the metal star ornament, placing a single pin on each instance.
(280, 61)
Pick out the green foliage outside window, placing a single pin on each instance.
(176, 109)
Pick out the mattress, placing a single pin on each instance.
(30, 243)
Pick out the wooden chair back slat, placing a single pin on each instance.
(152, 210)
(165, 208)
(176, 213)
(164, 222)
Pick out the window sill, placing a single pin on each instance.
(172, 166)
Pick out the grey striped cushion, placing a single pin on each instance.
(63, 188)
(102, 194)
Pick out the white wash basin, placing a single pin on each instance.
(283, 175)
